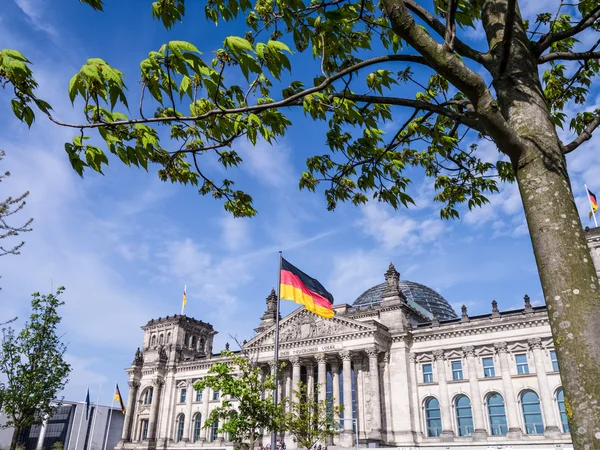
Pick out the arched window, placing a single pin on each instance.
(180, 424)
(148, 396)
(186, 339)
(197, 426)
(153, 342)
(214, 427)
(560, 399)
(497, 415)
(201, 344)
(464, 415)
(161, 339)
(532, 415)
(169, 336)
(433, 417)
(193, 343)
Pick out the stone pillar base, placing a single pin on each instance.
(479, 435)
(552, 432)
(447, 436)
(374, 435)
(514, 433)
(347, 438)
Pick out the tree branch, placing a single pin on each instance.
(437, 26)
(584, 136)
(581, 56)
(508, 34)
(289, 101)
(417, 104)
(548, 39)
(451, 24)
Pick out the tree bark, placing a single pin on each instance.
(15, 437)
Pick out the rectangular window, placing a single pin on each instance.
(554, 361)
(182, 395)
(198, 396)
(216, 395)
(488, 367)
(144, 429)
(427, 373)
(522, 366)
(214, 427)
(457, 373)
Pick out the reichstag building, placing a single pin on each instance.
(409, 371)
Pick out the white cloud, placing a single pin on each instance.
(269, 164)
(235, 232)
(398, 230)
(34, 10)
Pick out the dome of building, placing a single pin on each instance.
(414, 293)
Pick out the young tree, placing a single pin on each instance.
(311, 421)
(393, 61)
(32, 366)
(247, 408)
(9, 207)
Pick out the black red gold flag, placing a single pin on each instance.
(304, 290)
(118, 398)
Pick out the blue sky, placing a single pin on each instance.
(124, 244)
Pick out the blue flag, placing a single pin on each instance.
(87, 404)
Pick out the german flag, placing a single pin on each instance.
(593, 200)
(304, 290)
(118, 398)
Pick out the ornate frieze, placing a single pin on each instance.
(501, 347)
(438, 354)
(534, 342)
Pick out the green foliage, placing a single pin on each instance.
(32, 365)
(247, 409)
(311, 421)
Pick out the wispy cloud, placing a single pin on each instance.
(34, 10)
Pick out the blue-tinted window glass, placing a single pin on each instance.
(433, 417)
(497, 415)
(180, 423)
(182, 395)
(554, 361)
(522, 365)
(427, 373)
(464, 416)
(457, 373)
(532, 415)
(560, 399)
(488, 367)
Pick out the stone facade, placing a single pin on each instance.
(406, 378)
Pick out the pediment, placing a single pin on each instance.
(303, 325)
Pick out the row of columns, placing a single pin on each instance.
(477, 402)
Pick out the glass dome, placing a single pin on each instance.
(417, 293)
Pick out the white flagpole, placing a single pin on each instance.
(95, 417)
(110, 413)
(80, 421)
(587, 193)
(276, 356)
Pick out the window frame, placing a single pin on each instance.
(525, 414)
(214, 428)
(428, 420)
(180, 428)
(427, 376)
(562, 412)
(148, 396)
(216, 396)
(521, 365)
(554, 361)
(457, 374)
(199, 395)
(489, 371)
(503, 427)
(144, 429)
(457, 414)
(197, 427)
(182, 395)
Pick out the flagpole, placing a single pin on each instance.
(587, 193)
(109, 419)
(79, 429)
(184, 300)
(95, 417)
(276, 356)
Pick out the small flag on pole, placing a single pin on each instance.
(87, 404)
(118, 398)
(304, 290)
(184, 299)
(593, 202)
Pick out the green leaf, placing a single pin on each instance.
(238, 44)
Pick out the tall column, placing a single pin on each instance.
(440, 362)
(480, 432)
(310, 380)
(375, 393)
(288, 385)
(189, 393)
(157, 384)
(204, 431)
(335, 381)
(347, 380)
(510, 403)
(321, 377)
(295, 377)
(129, 412)
(166, 408)
(42, 436)
(412, 386)
(551, 428)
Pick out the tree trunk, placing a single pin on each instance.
(15, 437)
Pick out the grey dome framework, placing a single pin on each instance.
(420, 294)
